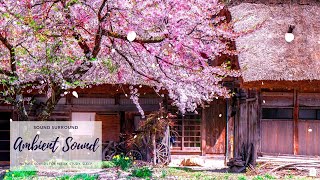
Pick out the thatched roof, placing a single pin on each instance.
(265, 55)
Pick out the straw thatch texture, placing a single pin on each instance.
(265, 55)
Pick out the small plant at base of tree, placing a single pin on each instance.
(258, 178)
(227, 175)
(143, 172)
(198, 175)
(242, 177)
(164, 173)
(108, 164)
(122, 161)
(268, 176)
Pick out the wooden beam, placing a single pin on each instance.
(230, 135)
(237, 130)
(248, 124)
(278, 94)
(104, 108)
(6, 108)
(259, 116)
(203, 132)
(295, 123)
(182, 134)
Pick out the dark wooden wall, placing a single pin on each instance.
(247, 124)
(277, 136)
(215, 117)
(296, 134)
(5, 136)
(309, 134)
(110, 126)
(309, 129)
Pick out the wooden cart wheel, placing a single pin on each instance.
(162, 154)
(134, 154)
(109, 151)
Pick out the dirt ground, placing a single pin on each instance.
(192, 173)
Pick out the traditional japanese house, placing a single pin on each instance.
(196, 134)
(279, 112)
(277, 108)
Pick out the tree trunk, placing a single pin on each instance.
(21, 110)
(50, 104)
(19, 105)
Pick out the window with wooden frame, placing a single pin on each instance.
(309, 114)
(277, 106)
(187, 132)
(277, 113)
(5, 136)
(309, 106)
(276, 125)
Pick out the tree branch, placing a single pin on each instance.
(6, 43)
(138, 40)
(5, 72)
(98, 36)
(100, 18)
(83, 45)
(134, 68)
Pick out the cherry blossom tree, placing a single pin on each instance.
(54, 46)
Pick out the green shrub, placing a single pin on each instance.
(108, 164)
(22, 172)
(258, 178)
(197, 175)
(242, 177)
(11, 175)
(64, 177)
(123, 162)
(290, 176)
(143, 172)
(164, 173)
(79, 177)
(268, 176)
(227, 175)
(265, 177)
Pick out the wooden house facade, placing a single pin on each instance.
(278, 113)
(195, 134)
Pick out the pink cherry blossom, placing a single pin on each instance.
(72, 43)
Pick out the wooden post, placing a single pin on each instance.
(259, 117)
(203, 132)
(247, 142)
(117, 99)
(154, 148)
(295, 123)
(230, 137)
(168, 141)
(182, 134)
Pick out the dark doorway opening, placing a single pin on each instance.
(5, 136)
